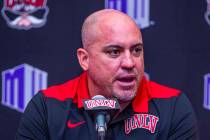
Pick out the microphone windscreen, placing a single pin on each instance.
(98, 97)
(99, 102)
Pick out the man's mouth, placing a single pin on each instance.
(126, 81)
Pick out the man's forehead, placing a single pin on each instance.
(110, 24)
(108, 17)
(105, 25)
(114, 32)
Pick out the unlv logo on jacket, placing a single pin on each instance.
(25, 14)
(143, 121)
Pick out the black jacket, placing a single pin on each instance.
(156, 113)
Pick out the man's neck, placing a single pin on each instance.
(94, 90)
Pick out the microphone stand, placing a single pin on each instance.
(102, 108)
(101, 133)
(101, 126)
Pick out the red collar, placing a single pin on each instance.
(140, 102)
(77, 89)
(150, 90)
(82, 90)
(147, 90)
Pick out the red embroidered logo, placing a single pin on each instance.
(145, 121)
(73, 125)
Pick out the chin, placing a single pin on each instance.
(125, 95)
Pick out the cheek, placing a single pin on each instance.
(140, 64)
(100, 66)
(105, 64)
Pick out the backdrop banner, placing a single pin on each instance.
(39, 38)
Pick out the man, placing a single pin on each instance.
(113, 60)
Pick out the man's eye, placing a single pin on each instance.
(113, 53)
(137, 51)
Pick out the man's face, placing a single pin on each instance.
(116, 60)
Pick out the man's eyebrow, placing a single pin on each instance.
(138, 44)
(113, 46)
(121, 47)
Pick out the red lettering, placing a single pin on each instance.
(127, 127)
(145, 121)
(106, 102)
(145, 124)
(137, 121)
(10, 3)
(153, 122)
(88, 104)
(36, 3)
(112, 103)
(98, 102)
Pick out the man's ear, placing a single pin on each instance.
(83, 58)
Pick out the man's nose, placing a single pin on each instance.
(127, 61)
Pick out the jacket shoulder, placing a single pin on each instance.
(159, 91)
(63, 91)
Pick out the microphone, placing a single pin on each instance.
(102, 108)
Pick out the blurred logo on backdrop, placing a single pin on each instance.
(139, 10)
(25, 14)
(20, 84)
(206, 102)
(147, 76)
(207, 14)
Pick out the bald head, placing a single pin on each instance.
(113, 50)
(102, 22)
